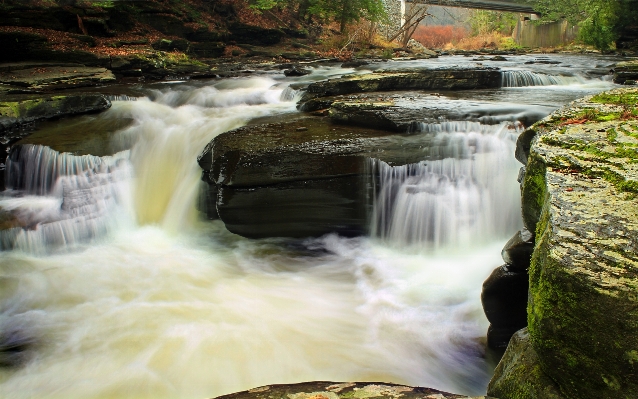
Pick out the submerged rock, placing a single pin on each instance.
(343, 390)
(579, 196)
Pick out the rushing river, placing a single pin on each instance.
(119, 289)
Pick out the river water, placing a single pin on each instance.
(118, 288)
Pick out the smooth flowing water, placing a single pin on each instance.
(118, 289)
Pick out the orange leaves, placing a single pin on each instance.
(437, 36)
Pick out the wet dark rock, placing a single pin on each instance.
(498, 58)
(207, 49)
(499, 337)
(15, 346)
(343, 390)
(25, 110)
(170, 45)
(354, 64)
(296, 71)
(301, 178)
(504, 298)
(517, 252)
(625, 71)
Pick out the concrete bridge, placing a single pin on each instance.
(495, 5)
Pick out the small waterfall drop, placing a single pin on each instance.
(460, 194)
(59, 199)
(528, 78)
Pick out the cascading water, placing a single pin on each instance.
(456, 197)
(528, 78)
(143, 300)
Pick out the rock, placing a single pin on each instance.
(354, 64)
(417, 48)
(249, 34)
(381, 115)
(20, 111)
(56, 77)
(626, 71)
(519, 374)
(280, 180)
(504, 298)
(412, 79)
(296, 71)
(517, 252)
(579, 196)
(207, 49)
(170, 45)
(498, 338)
(498, 58)
(343, 390)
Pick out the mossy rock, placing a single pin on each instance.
(343, 390)
(579, 196)
(519, 374)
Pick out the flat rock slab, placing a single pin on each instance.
(343, 390)
(25, 109)
(580, 195)
(54, 76)
(410, 79)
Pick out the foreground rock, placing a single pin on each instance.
(343, 390)
(518, 375)
(579, 196)
(306, 177)
(19, 110)
(412, 79)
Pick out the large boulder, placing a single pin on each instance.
(306, 177)
(579, 196)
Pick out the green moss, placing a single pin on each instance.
(629, 99)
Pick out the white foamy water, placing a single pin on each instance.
(460, 195)
(156, 304)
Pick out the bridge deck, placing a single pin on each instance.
(481, 4)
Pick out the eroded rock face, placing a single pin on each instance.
(579, 196)
(343, 390)
(302, 178)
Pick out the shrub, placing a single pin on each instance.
(437, 36)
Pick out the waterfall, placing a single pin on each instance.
(528, 78)
(59, 199)
(455, 197)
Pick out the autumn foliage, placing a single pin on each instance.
(437, 36)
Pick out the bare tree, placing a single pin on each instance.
(415, 12)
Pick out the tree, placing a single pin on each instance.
(600, 21)
(484, 22)
(341, 11)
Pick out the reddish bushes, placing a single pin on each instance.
(437, 36)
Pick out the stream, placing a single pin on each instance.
(119, 288)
